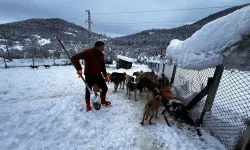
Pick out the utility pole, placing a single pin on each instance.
(89, 26)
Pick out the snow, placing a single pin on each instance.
(27, 62)
(18, 47)
(125, 58)
(37, 36)
(2, 47)
(44, 41)
(42, 111)
(215, 44)
(154, 59)
(70, 33)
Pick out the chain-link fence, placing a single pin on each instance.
(188, 83)
(231, 106)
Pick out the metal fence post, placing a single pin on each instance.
(173, 75)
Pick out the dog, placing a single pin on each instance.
(33, 67)
(146, 83)
(151, 75)
(156, 92)
(47, 66)
(96, 89)
(150, 109)
(138, 75)
(177, 110)
(131, 87)
(164, 81)
(118, 78)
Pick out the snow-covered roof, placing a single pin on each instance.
(125, 58)
(222, 41)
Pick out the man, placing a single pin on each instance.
(94, 66)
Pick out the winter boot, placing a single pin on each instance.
(103, 100)
(88, 107)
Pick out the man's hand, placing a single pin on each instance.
(79, 72)
(107, 78)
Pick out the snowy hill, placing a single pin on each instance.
(151, 42)
(40, 34)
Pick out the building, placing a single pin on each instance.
(124, 62)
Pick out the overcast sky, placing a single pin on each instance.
(117, 24)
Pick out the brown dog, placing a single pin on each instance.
(96, 89)
(118, 78)
(150, 109)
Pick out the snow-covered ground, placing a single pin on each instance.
(41, 109)
(27, 62)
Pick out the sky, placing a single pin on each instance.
(115, 24)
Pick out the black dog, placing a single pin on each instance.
(178, 111)
(33, 67)
(47, 66)
(131, 87)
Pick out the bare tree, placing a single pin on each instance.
(6, 42)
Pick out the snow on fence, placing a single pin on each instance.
(230, 110)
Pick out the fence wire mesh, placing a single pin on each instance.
(231, 108)
(188, 83)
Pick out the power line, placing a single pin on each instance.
(141, 22)
(136, 26)
(178, 9)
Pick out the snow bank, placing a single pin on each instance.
(125, 58)
(215, 43)
(44, 41)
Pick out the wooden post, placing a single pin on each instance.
(173, 75)
(213, 89)
(163, 69)
(211, 92)
(158, 70)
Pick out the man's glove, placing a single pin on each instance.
(79, 72)
(107, 78)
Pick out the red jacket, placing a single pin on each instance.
(94, 62)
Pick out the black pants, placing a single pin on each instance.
(96, 80)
